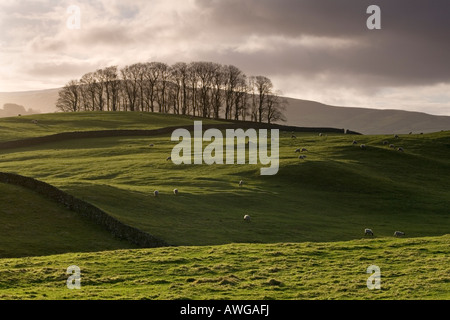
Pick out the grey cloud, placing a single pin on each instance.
(412, 47)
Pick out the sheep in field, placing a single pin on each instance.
(363, 146)
(241, 183)
(168, 158)
(156, 193)
(355, 142)
(302, 157)
(391, 146)
(297, 150)
(385, 143)
(175, 191)
(398, 233)
(304, 150)
(368, 232)
(400, 149)
(247, 218)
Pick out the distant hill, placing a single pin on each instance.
(367, 121)
(41, 101)
(302, 113)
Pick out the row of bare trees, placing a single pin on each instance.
(204, 89)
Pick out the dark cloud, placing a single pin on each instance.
(412, 48)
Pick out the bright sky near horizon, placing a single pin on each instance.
(317, 50)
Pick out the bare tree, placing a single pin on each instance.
(276, 105)
(263, 87)
(131, 76)
(69, 97)
(179, 75)
(89, 91)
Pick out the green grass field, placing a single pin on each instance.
(31, 225)
(321, 203)
(410, 269)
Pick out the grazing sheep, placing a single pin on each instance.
(293, 137)
(400, 149)
(391, 146)
(156, 193)
(355, 142)
(410, 133)
(303, 157)
(241, 183)
(421, 133)
(320, 134)
(398, 234)
(396, 136)
(247, 218)
(385, 143)
(168, 158)
(297, 150)
(368, 232)
(151, 145)
(363, 146)
(304, 150)
(175, 191)
(34, 121)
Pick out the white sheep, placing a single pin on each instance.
(156, 193)
(35, 121)
(355, 142)
(385, 143)
(302, 157)
(297, 150)
(293, 137)
(175, 191)
(391, 146)
(398, 233)
(320, 134)
(363, 146)
(396, 136)
(247, 218)
(304, 150)
(400, 149)
(241, 183)
(368, 232)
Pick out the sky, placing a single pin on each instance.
(319, 50)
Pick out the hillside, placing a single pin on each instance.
(305, 241)
(411, 269)
(31, 225)
(331, 196)
(364, 120)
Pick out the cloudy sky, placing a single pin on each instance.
(318, 50)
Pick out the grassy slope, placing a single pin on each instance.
(333, 195)
(32, 225)
(410, 269)
(15, 128)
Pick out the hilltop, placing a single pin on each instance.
(302, 113)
